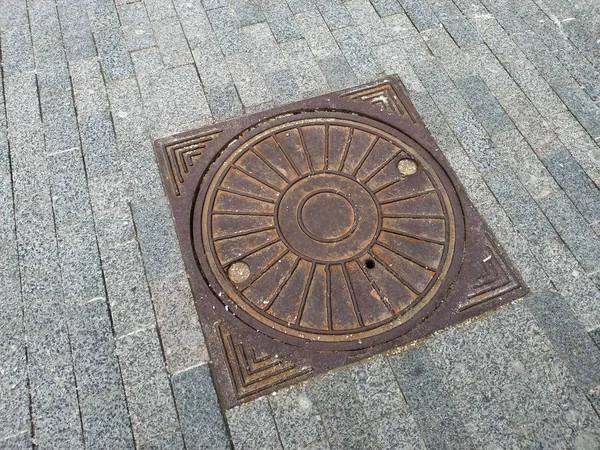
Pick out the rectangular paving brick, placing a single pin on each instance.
(457, 25)
(359, 56)
(136, 26)
(227, 28)
(303, 66)
(317, 35)
(281, 21)
(75, 29)
(172, 43)
(252, 426)
(420, 14)
(17, 49)
(368, 21)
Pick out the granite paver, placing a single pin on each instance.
(100, 344)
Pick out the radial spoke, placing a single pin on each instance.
(305, 149)
(251, 175)
(412, 216)
(300, 312)
(365, 156)
(352, 296)
(243, 233)
(265, 269)
(405, 256)
(242, 213)
(408, 197)
(346, 149)
(245, 194)
(384, 300)
(414, 236)
(385, 185)
(394, 273)
(328, 297)
(271, 166)
(282, 285)
(287, 157)
(381, 167)
(257, 249)
(326, 156)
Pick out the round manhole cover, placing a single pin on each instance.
(328, 228)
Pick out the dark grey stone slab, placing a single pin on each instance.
(573, 229)
(283, 86)
(335, 14)
(252, 426)
(357, 52)
(298, 422)
(248, 11)
(387, 7)
(100, 153)
(582, 106)
(317, 34)
(304, 66)
(60, 122)
(102, 401)
(430, 404)
(171, 441)
(227, 28)
(223, 101)
(76, 31)
(114, 57)
(281, 21)
(568, 337)
(457, 25)
(420, 14)
(484, 105)
(199, 412)
(337, 72)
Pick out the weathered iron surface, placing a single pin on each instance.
(322, 232)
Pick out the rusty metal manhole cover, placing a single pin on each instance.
(322, 232)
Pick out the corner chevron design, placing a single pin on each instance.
(494, 280)
(385, 97)
(180, 156)
(252, 372)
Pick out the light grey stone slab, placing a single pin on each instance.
(334, 12)
(368, 21)
(227, 28)
(249, 81)
(300, 6)
(387, 7)
(196, 26)
(172, 43)
(430, 404)
(17, 50)
(88, 88)
(265, 52)
(397, 429)
(298, 422)
(357, 53)
(180, 333)
(583, 107)
(160, 9)
(172, 441)
(224, 101)
(98, 144)
(100, 390)
(317, 34)
(248, 11)
(337, 72)
(76, 31)
(60, 121)
(114, 57)
(457, 25)
(303, 66)
(149, 397)
(136, 26)
(201, 419)
(283, 86)
(420, 14)
(15, 13)
(20, 441)
(281, 21)
(252, 426)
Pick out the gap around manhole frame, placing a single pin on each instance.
(249, 168)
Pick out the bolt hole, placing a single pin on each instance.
(370, 264)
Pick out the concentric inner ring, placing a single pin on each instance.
(317, 205)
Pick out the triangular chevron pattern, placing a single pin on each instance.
(383, 96)
(180, 156)
(252, 372)
(494, 280)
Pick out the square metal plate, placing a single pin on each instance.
(322, 232)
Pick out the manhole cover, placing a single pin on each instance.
(322, 232)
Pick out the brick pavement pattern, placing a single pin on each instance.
(100, 346)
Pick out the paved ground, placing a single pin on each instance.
(99, 343)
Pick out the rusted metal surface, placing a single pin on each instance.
(322, 232)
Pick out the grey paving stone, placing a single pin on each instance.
(136, 26)
(335, 14)
(575, 182)
(304, 67)
(226, 27)
(107, 193)
(60, 122)
(224, 101)
(337, 72)
(113, 54)
(202, 423)
(76, 31)
(126, 284)
(196, 26)
(484, 105)
(180, 332)
(387, 7)
(212, 66)
(300, 6)
(393, 60)
(100, 390)
(249, 82)
(457, 25)
(88, 88)
(581, 69)
(173, 98)
(79, 261)
(160, 9)
(582, 107)
(252, 426)
(282, 86)
(317, 34)
(173, 46)
(15, 13)
(265, 52)
(17, 49)
(298, 422)
(573, 229)
(369, 22)
(160, 249)
(102, 14)
(281, 21)
(397, 430)
(430, 404)
(21, 441)
(149, 398)
(377, 388)
(420, 14)
(172, 441)
(248, 11)
(357, 52)
(98, 144)
(568, 337)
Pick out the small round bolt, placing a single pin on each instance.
(238, 272)
(407, 167)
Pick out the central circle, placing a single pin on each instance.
(327, 216)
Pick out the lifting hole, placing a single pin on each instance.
(370, 264)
